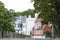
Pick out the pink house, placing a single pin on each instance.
(38, 29)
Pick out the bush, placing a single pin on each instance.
(47, 33)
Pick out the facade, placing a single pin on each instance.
(24, 25)
(38, 30)
(30, 26)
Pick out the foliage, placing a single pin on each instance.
(26, 13)
(47, 33)
(5, 19)
(49, 10)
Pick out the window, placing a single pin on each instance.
(19, 25)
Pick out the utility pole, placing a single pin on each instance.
(52, 31)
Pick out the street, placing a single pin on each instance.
(28, 39)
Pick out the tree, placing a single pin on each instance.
(5, 19)
(48, 10)
(26, 13)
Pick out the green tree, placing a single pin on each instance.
(48, 10)
(5, 19)
(26, 13)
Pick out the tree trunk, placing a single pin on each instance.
(2, 34)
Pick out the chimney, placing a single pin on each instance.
(36, 15)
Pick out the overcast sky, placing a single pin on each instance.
(18, 5)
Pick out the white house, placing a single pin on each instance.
(26, 23)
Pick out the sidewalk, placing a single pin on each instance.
(29, 39)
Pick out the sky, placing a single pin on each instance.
(18, 5)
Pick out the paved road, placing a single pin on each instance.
(28, 39)
(15, 39)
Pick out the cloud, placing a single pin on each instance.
(18, 5)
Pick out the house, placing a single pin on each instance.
(38, 30)
(24, 25)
